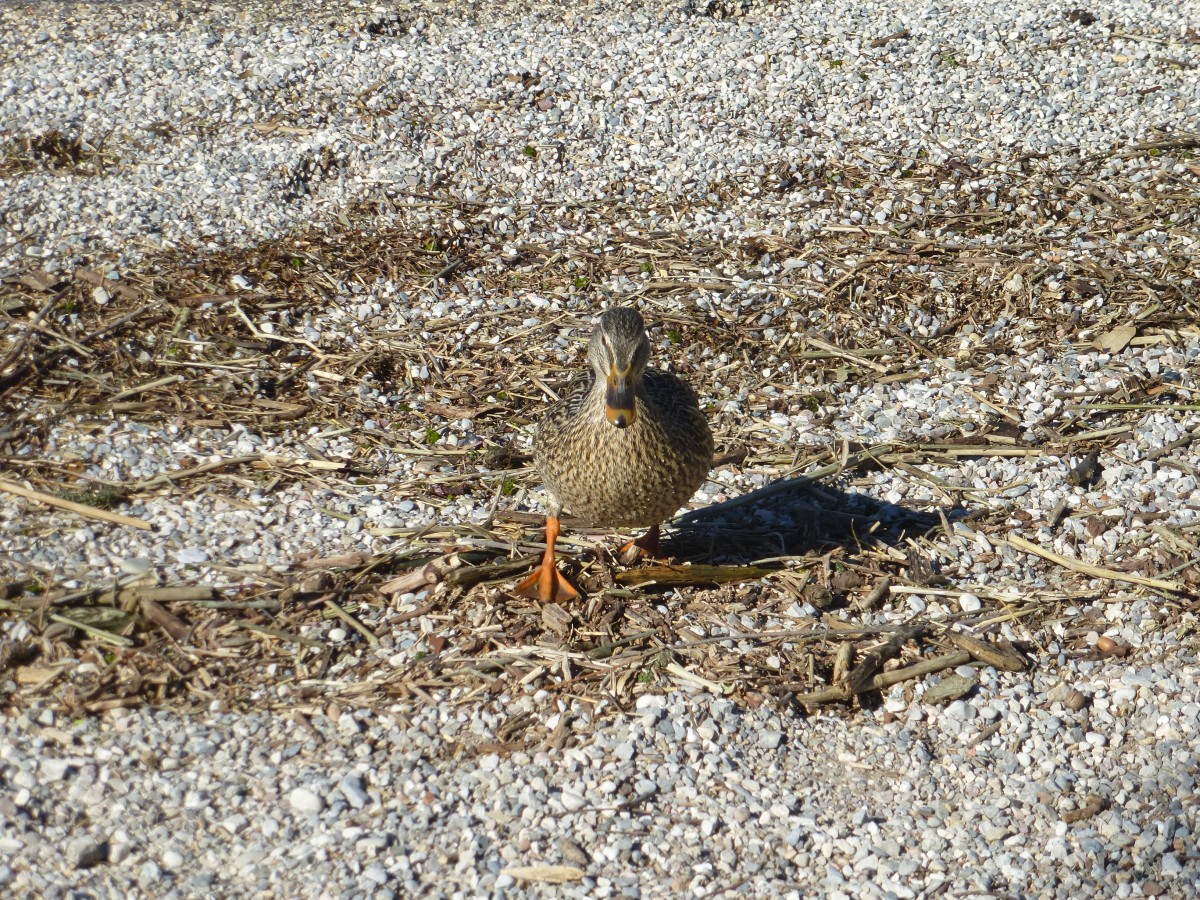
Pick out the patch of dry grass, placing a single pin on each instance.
(57, 153)
(175, 338)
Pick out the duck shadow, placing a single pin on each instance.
(786, 519)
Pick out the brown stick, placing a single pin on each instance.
(842, 692)
(986, 653)
(168, 622)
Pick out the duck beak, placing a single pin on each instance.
(618, 399)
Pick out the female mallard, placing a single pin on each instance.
(627, 448)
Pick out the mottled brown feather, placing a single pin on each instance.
(624, 477)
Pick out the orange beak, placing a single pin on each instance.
(619, 405)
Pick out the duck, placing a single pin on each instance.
(625, 448)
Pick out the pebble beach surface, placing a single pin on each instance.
(209, 127)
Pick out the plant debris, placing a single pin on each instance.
(182, 336)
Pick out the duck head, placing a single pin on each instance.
(619, 352)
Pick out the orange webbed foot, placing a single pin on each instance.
(546, 583)
(648, 546)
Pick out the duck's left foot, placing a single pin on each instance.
(648, 546)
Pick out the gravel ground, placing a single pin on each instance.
(786, 144)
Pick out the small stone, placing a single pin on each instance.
(1059, 692)
(135, 565)
(119, 851)
(172, 859)
(149, 873)
(54, 769)
(960, 710)
(770, 740)
(489, 762)
(572, 852)
(572, 800)
(337, 635)
(202, 881)
(970, 603)
(352, 789)
(951, 688)
(235, 823)
(253, 854)
(1075, 700)
(372, 845)
(646, 787)
(375, 873)
(303, 800)
(192, 556)
(85, 852)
